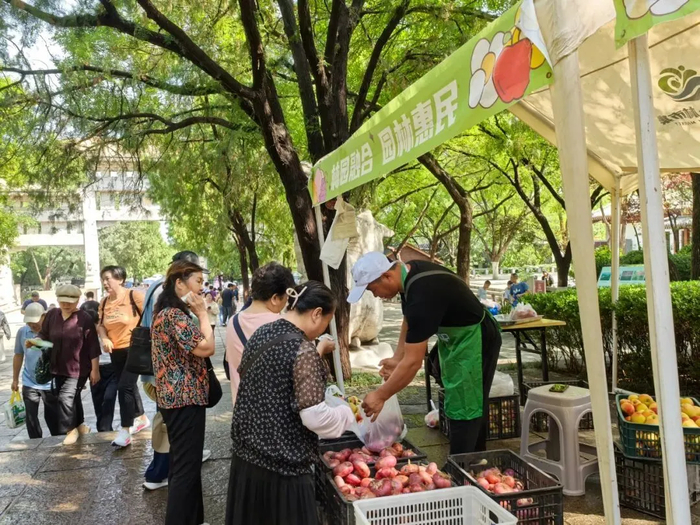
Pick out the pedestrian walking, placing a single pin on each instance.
(25, 361)
(5, 327)
(74, 359)
(35, 298)
(212, 309)
(227, 298)
(119, 313)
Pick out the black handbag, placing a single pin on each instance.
(215, 392)
(138, 359)
(42, 371)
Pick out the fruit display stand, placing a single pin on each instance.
(641, 440)
(322, 467)
(338, 510)
(504, 417)
(540, 421)
(456, 506)
(640, 483)
(540, 502)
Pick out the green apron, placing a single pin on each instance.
(460, 352)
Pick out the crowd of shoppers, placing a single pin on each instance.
(277, 378)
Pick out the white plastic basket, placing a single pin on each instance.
(454, 506)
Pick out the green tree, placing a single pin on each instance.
(137, 246)
(45, 265)
(298, 75)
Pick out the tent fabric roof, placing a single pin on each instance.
(608, 105)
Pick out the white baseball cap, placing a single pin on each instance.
(367, 269)
(33, 312)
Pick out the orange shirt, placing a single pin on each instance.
(119, 318)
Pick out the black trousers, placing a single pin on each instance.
(69, 406)
(104, 397)
(186, 434)
(130, 404)
(470, 435)
(32, 397)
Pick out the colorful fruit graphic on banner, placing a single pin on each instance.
(501, 68)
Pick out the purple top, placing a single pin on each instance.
(74, 340)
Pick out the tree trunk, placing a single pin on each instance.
(464, 241)
(461, 199)
(495, 267)
(563, 266)
(695, 239)
(240, 228)
(243, 258)
(342, 316)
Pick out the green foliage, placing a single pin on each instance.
(41, 267)
(137, 246)
(633, 257)
(635, 371)
(603, 258)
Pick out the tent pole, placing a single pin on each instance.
(327, 280)
(661, 331)
(615, 277)
(567, 102)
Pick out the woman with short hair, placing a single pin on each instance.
(280, 413)
(269, 292)
(120, 312)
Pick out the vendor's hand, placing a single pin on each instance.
(15, 386)
(388, 366)
(325, 346)
(108, 345)
(95, 376)
(197, 304)
(373, 404)
(29, 344)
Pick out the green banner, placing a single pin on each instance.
(636, 17)
(492, 71)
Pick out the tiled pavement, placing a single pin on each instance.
(91, 482)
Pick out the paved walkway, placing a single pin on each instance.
(91, 482)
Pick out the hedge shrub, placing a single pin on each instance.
(635, 371)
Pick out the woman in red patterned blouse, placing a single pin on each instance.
(180, 345)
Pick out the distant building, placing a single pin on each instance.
(113, 199)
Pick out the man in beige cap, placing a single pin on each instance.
(74, 358)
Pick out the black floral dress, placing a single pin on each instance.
(273, 452)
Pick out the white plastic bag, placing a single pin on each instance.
(15, 413)
(502, 385)
(432, 418)
(522, 311)
(334, 398)
(386, 429)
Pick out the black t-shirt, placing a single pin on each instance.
(227, 298)
(437, 300)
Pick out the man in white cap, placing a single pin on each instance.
(33, 392)
(435, 301)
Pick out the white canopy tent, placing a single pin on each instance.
(603, 112)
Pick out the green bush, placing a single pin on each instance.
(603, 258)
(633, 257)
(634, 363)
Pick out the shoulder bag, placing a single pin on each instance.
(138, 360)
(215, 392)
(260, 351)
(241, 336)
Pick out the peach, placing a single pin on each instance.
(638, 418)
(641, 408)
(627, 408)
(646, 399)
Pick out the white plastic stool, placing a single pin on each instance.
(562, 447)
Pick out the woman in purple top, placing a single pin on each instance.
(74, 358)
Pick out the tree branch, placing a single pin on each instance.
(383, 39)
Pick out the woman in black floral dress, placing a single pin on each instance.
(279, 415)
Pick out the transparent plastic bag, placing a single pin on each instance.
(15, 413)
(386, 429)
(523, 311)
(432, 418)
